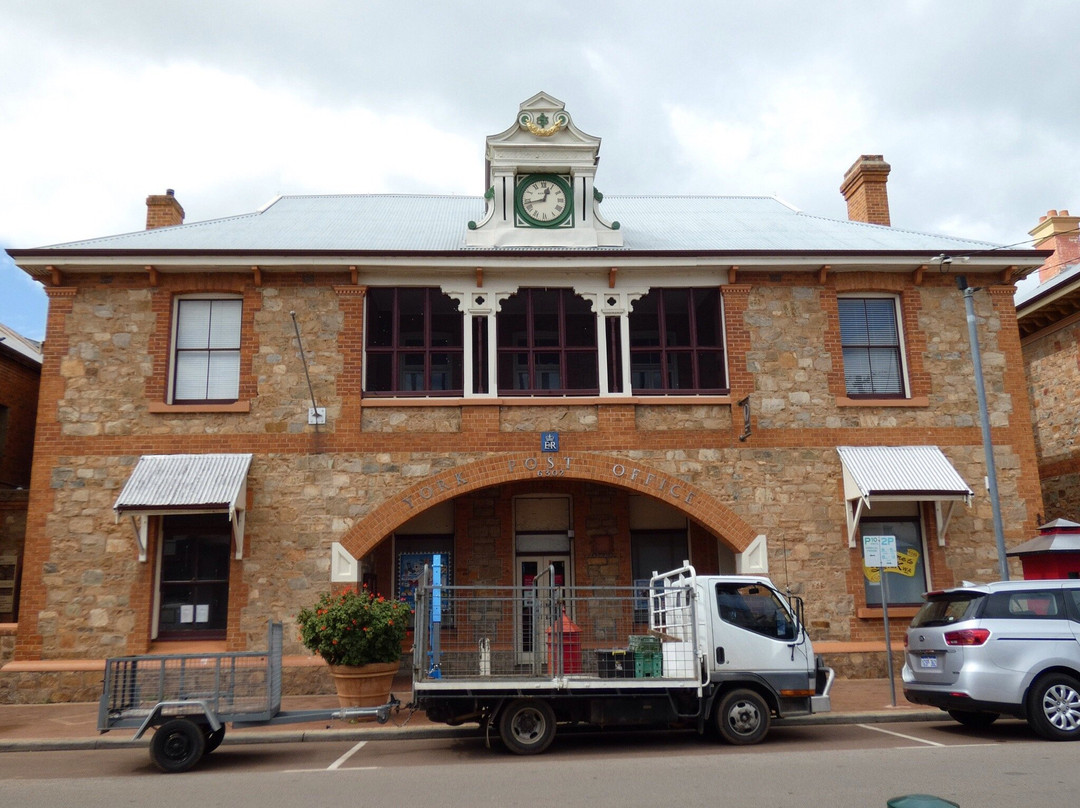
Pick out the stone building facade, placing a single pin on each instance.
(1048, 313)
(537, 377)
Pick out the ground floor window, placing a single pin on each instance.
(194, 579)
(907, 581)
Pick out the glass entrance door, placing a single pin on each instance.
(530, 619)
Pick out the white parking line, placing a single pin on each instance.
(337, 763)
(901, 735)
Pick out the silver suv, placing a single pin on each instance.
(1010, 647)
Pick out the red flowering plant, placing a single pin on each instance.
(354, 627)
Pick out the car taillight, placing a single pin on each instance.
(967, 636)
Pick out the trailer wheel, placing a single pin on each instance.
(177, 745)
(214, 737)
(742, 717)
(527, 726)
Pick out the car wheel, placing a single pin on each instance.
(973, 720)
(742, 717)
(527, 726)
(177, 745)
(1054, 707)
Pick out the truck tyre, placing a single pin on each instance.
(177, 745)
(973, 720)
(1053, 708)
(742, 717)
(527, 726)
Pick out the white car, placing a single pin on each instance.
(1011, 647)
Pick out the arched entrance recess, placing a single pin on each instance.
(634, 475)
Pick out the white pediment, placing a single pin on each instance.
(543, 140)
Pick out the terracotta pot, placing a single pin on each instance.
(364, 685)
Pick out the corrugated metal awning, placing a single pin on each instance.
(899, 474)
(163, 485)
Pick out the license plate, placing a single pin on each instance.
(929, 661)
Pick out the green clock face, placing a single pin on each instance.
(543, 200)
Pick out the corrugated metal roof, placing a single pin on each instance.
(902, 470)
(210, 482)
(401, 223)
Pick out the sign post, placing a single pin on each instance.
(880, 552)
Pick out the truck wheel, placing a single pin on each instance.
(1053, 708)
(527, 726)
(177, 745)
(973, 720)
(742, 717)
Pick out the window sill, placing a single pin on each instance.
(543, 401)
(917, 401)
(876, 613)
(157, 407)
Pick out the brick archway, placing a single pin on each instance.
(497, 470)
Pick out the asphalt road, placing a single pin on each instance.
(842, 766)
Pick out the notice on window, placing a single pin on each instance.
(202, 613)
(187, 613)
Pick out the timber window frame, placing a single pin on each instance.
(872, 344)
(205, 349)
(413, 342)
(677, 342)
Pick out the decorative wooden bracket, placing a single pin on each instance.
(917, 276)
(258, 275)
(154, 276)
(823, 273)
(479, 277)
(611, 277)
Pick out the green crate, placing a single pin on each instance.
(644, 642)
(648, 664)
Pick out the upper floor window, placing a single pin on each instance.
(414, 342)
(547, 343)
(206, 360)
(677, 342)
(870, 337)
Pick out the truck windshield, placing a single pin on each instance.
(950, 607)
(756, 608)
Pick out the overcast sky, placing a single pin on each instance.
(232, 102)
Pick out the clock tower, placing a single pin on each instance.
(540, 178)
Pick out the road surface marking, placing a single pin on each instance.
(337, 763)
(901, 735)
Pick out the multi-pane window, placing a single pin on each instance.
(414, 342)
(194, 593)
(870, 337)
(677, 342)
(206, 364)
(906, 582)
(547, 343)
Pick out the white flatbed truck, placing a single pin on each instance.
(727, 653)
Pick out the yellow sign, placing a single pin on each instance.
(906, 562)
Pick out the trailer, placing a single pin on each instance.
(712, 652)
(187, 699)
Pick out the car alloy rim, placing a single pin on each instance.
(1061, 706)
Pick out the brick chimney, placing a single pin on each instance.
(864, 190)
(162, 210)
(1057, 231)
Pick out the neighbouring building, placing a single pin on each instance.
(238, 413)
(20, 377)
(1048, 315)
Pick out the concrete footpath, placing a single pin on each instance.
(74, 726)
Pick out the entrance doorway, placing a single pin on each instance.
(542, 538)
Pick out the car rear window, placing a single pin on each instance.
(1042, 604)
(951, 607)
